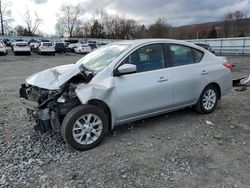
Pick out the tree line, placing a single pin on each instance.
(102, 25)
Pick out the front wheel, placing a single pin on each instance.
(84, 127)
(208, 100)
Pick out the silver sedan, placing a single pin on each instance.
(123, 82)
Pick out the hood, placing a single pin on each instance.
(54, 77)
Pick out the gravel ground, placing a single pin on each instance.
(178, 149)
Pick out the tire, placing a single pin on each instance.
(79, 114)
(206, 106)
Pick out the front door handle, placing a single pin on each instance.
(162, 79)
(204, 72)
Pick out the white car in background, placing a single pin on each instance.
(21, 48)
(83, 49)
(3, 49)
(46, 48)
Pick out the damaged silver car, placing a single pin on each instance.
(123, 82)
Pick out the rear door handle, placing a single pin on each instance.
(162, 79)
(204, 72)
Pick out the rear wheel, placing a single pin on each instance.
(208, 100)
(84, 127)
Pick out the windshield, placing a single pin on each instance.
(102, 57)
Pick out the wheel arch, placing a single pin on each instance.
(102, 105)
(217, 86)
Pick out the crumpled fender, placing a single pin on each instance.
(103, 91)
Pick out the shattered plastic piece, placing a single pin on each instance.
(245, 81)
(241, 81)
(209, 123)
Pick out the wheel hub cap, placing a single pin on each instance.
(87, 129)
(209, 99)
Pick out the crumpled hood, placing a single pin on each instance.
(54, 77)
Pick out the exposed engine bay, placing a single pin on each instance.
(49, 107)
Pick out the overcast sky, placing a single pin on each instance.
(177, 12)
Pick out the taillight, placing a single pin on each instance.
(228, 65)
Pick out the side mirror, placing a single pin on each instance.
(125, 69)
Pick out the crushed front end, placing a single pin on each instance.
(48, 107)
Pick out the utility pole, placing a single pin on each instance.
(1, 17)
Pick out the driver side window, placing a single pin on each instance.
(147, 58)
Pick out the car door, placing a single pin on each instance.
(188, 78)
(149, 89)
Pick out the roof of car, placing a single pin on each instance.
(138, 42)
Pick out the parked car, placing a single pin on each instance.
(92, 45)
(3, 49)
(21, 48)
(59, 47)
(13, 42)
(46, 48)
(71, 47)
(83, 49)
(34, 46)
(206, 46)
(7, 42)
(32, 41)
(122, 82)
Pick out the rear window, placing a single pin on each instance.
(21, 44)
(47, 44)
(184, 55)
(198, 55)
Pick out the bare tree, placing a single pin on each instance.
(234, 23)
(120, 27)
(79, 29)
(86, 29)
(32, 21)
(227, 23)
(239, 22)
(97, 30)
(5, 15)
(159, 29)
(67, 19)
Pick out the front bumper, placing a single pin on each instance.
(45, 118)
(31, 105)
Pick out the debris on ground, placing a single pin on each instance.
(240, 89)
(218, 136)
(209, 122)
